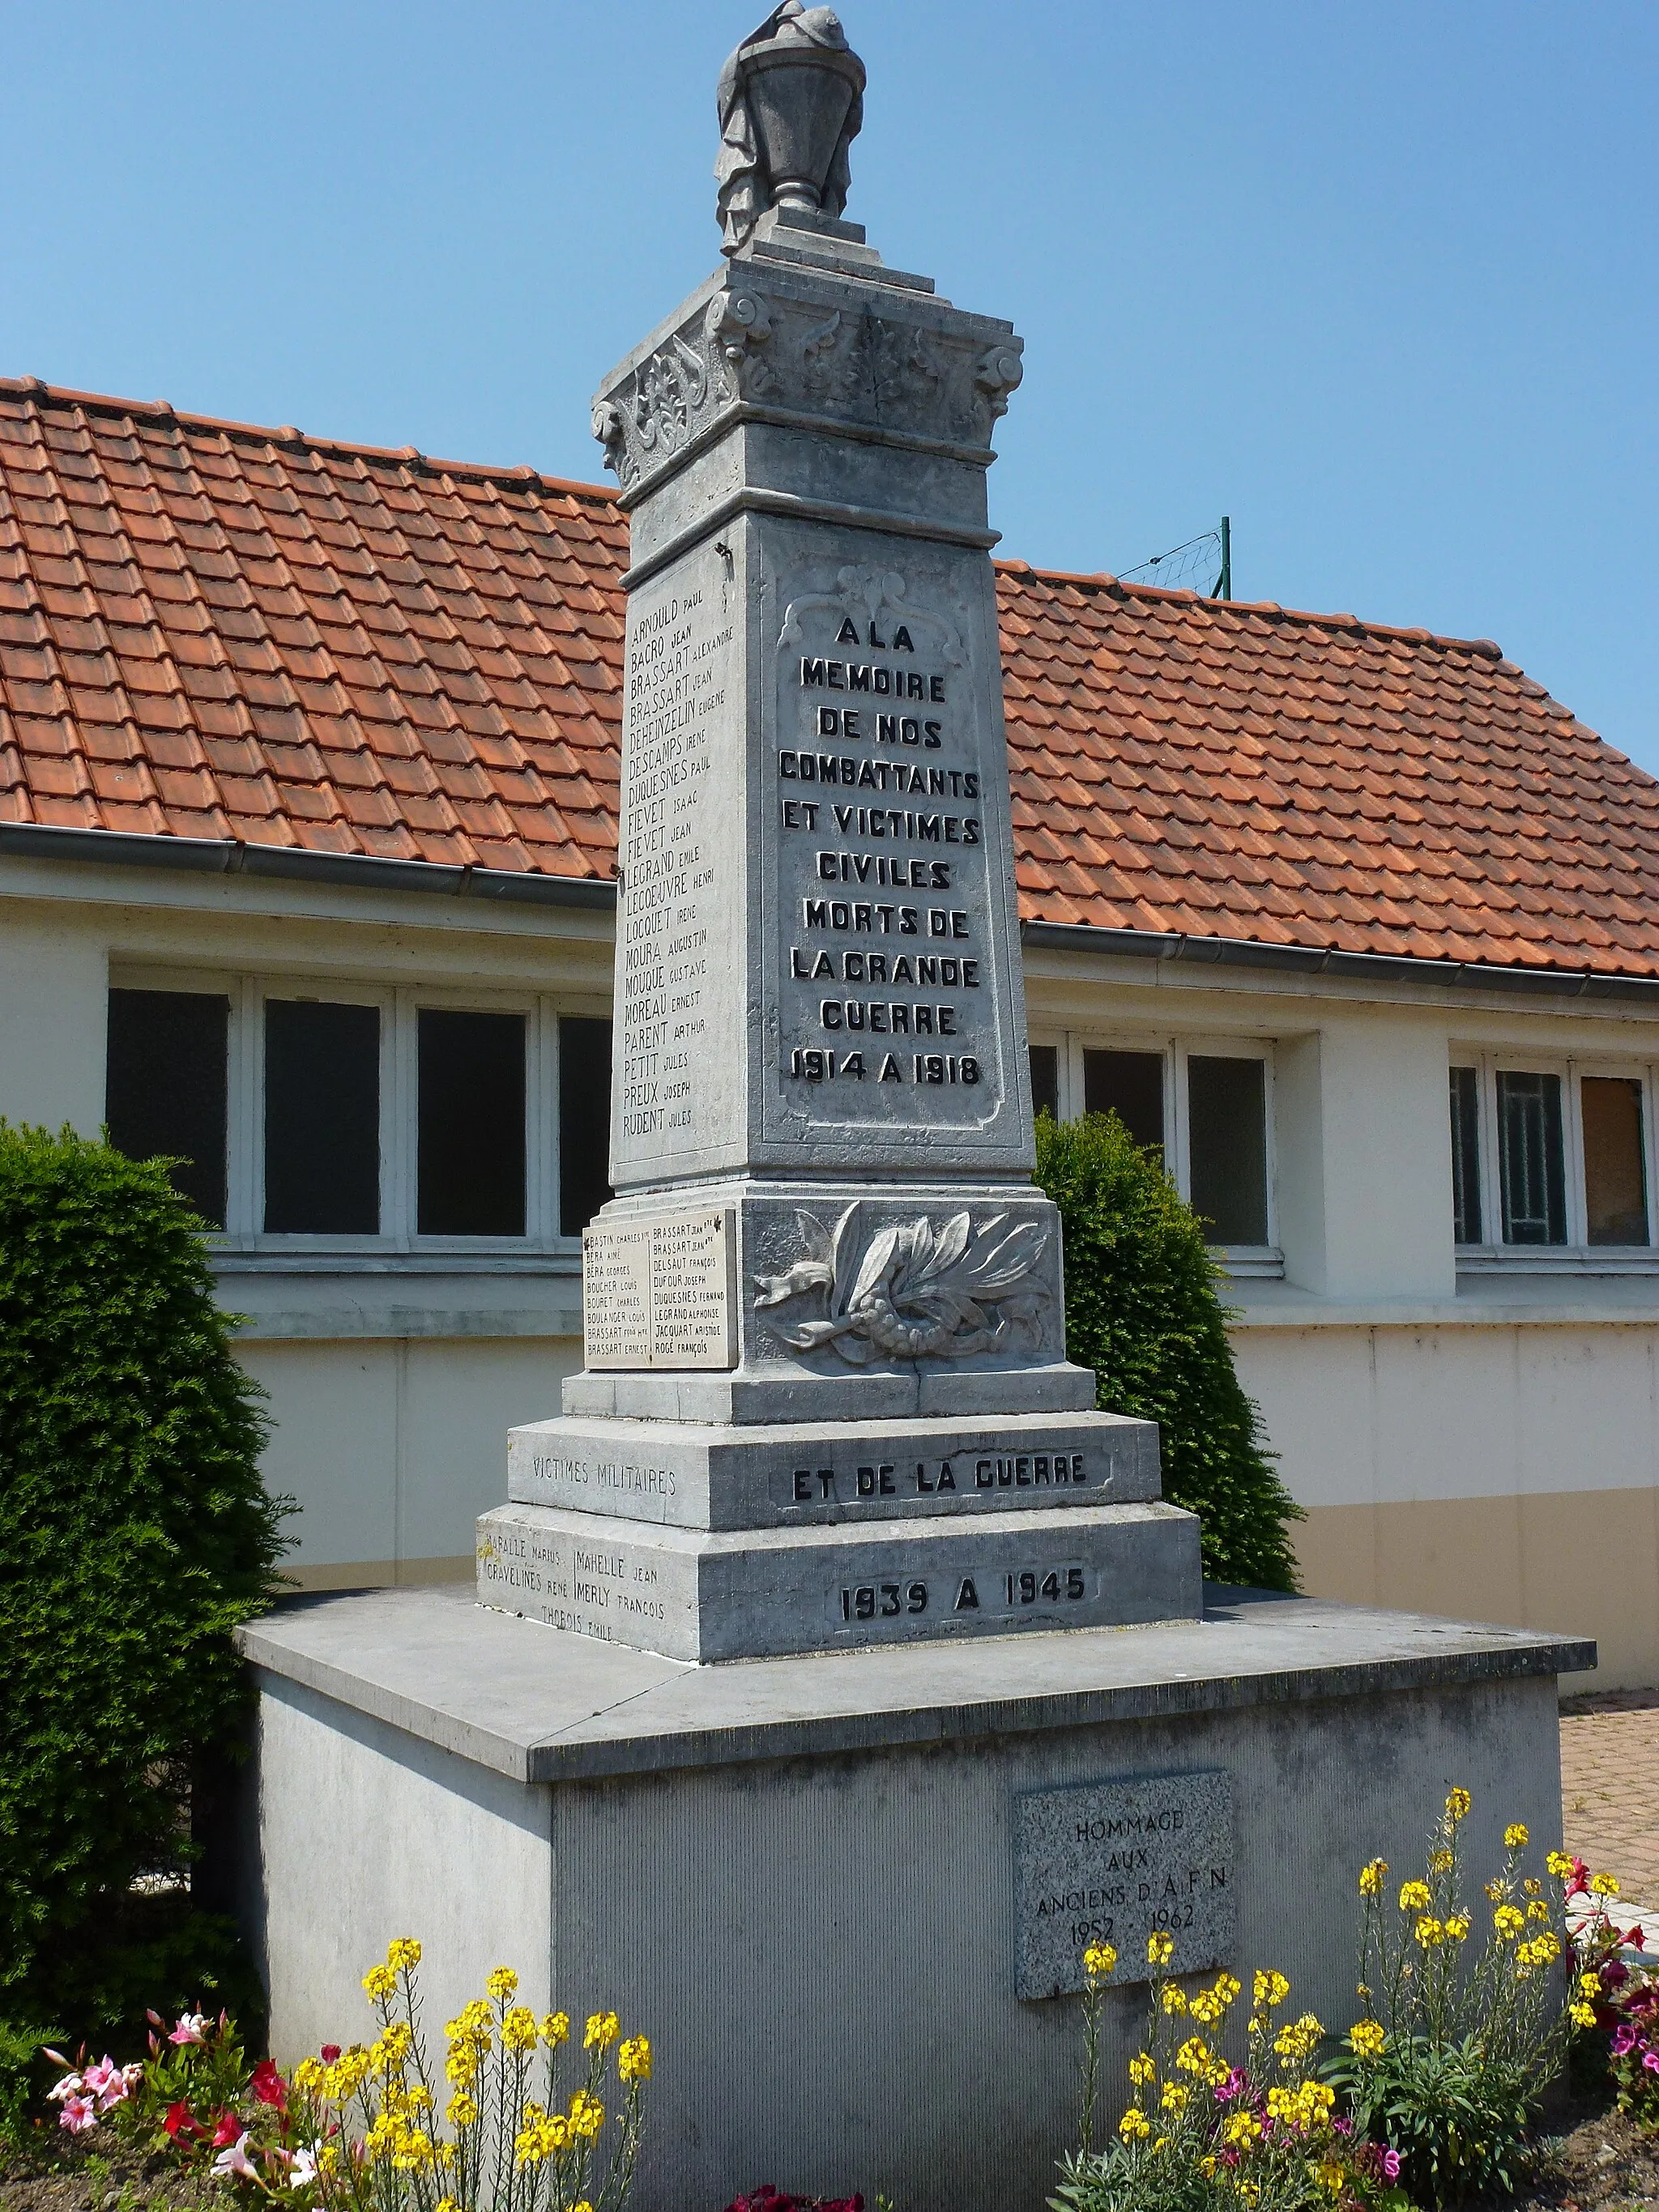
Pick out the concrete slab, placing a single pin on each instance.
(539, 1705)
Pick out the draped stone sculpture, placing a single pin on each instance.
(791, 101)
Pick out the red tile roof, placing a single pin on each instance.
(212, 630)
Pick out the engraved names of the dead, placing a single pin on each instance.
(886, 975)
(679, 652)
(1111, 1863)
(657, 1293)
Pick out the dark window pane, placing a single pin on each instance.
(1227, 1147)
(1530, 1171)
(1466, 1155)
(322, 1118)
(584, 1121)
(1129, 1085)
(1045, 1080)
(471, 1113)
(164, 1089)
(1615, 1178)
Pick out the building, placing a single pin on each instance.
(307, 791)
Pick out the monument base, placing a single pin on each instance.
(820, 1884)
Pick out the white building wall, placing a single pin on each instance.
(53, 1022)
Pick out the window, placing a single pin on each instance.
(165, 1089)
(1206, 1105)
(1227, 1147)
(1466, 1154)
(322, 1118)
(1615, 1174)
(469, 1124)
(584, 1121)
(1550, 1161)
(381, 1120)
(1131, 1085)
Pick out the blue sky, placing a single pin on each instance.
(1378, 282)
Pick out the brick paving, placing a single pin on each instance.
(1610, 1787)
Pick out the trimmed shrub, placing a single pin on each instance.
(1141, 1309)
(135, 1534)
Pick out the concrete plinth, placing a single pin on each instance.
(797, 1875)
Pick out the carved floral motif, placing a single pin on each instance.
(915, 1291)
(873, 590)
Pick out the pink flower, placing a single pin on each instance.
(190, 2029)
(229, 2128)
(235, 2160)
(1231, 2088)
(1624, 2040)
(78, 2115)
(1390, 2162)
(106, 2081)
(1650, 2059)
(329, 2053)
(302, 2168)
(181, 2121)
(70, 2085)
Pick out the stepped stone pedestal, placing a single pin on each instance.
(826, 1427)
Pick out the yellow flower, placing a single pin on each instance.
(1193, 2056)
(1538, 1910)
(461, 2067)
(1581, 2015)
(555, 2029)
(1429, 1932)
(310, 2075)
(1367, 2037)
(1241, 2127)
(519, 2029)
(1227, 1988)
(447, 2204)
(350, 2071)
(500, 1983)
(1517, 1835)
(583, 2207)
(1173, 1997)
(461, 2111)
(1141, 2069)
(1099, 1959)
(1415, 1897)
(1533, 1887)
(1207, 2008)
(1134, 2126)
(586, 2113)
(1441, 1862)
(472, 2024)
(634, 2059)
(1331, 2176)
(1509, 1920)
(1271, 1988)
(402, 1954)
(381, 1982)
(1497, 1890)
(603, 2029)
(1298, 2039)
(1160, 1947)
(1457, 1927)
(1457, 1805)
(1162, 2144)
(1175, 2096)
(1559, 1865)
(1590, 1984)
(1370, 1878)
(391, 2047)
(1605, 1884)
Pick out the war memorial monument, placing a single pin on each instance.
(835, 1672)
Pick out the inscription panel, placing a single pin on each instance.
(885, 781)
(676, 862)
(658, 1292)
(1111, 1863)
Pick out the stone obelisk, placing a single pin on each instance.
(825, 1400)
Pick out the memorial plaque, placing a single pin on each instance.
(1109, 1863)
(657, 1293)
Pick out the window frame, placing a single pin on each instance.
(1577, 1255)
(400, 1006)
(1239, 1260)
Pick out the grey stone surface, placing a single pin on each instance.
(705, 1596)
(695, 1475)
(796, 1876)
(1116, 1863)
(540, 1707)
(772, 1391)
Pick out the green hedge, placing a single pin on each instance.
(135, 1534)
(1141, 1309)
